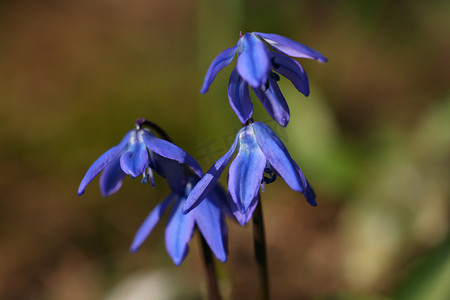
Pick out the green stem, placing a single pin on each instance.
(213, 288)
(259, 241)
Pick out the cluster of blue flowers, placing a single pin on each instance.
(197, 200)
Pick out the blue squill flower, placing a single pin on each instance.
(260, 152)
(256, 67)
(208, 217)
(139, 152)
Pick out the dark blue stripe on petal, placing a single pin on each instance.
(240, 97)
(302, 177)
(290, 47)
(220, 62)
(274, 102)
(310, 195)
(246, 170)
(253, 62)
(278, 156)
(179, 230)
(150, 223)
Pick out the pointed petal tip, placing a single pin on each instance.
(311, 200)
(223, 258)
(136, 244)
(177, 261)
(105, 194)
(204, 89)
(313, 204)
(322, 59)
(242, 221)
(310, 195)
(188, 207)
(244, 218)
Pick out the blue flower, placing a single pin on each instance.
(208, 217)
(138, 153)
(256, 66)
(260, 152)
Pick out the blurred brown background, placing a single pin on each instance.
(373, 138)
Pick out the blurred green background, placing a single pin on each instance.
(373, 138)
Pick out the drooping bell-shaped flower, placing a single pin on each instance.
(139, 152)
(258, 67)
(260, 152)
(208, 217)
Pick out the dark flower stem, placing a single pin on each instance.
(213, 288)
(155, 127)
(259, 241)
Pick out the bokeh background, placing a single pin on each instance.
(373, 138)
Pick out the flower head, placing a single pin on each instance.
(256, 67)
(139, 152)
(208, 217)
(260, 152)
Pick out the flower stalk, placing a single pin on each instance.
(259, 241)
(146, 123)
(213, 287)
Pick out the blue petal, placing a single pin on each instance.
(246, 170)
(292, 70)
(102, 162)
(278, 156)
(206, 184)
(211, 223)
(239, 97)
(290, 47)
(253, 62)
(219, 195)
(302, 177)
(220, 62)
(168, 150)
(243, 218)
(111, 178)
(135, 159)
(274, 102)
(179, 230)
(173, 172)
(150, 223)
